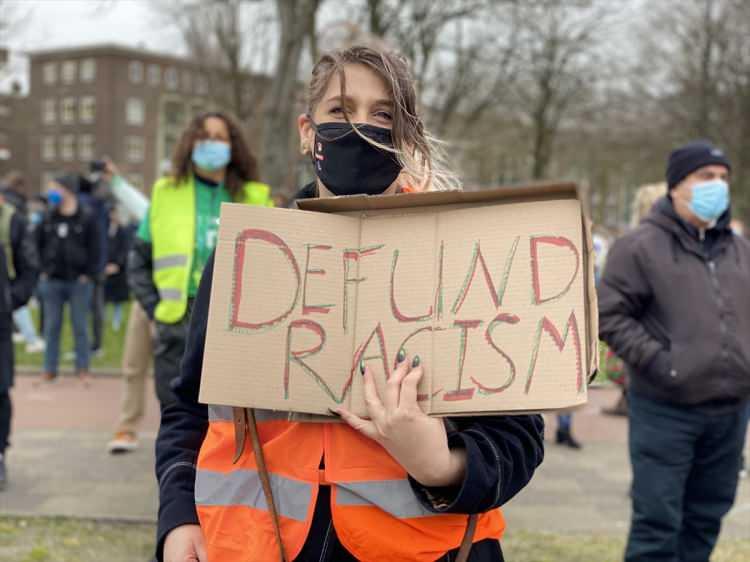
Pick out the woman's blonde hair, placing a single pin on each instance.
(645, 197)
(418, 152)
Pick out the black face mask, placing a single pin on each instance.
(349, 165)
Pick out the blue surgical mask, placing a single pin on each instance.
(212, 155)
(54, 197)
(35, 218)
(710, 199)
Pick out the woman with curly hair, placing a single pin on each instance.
(212, 164)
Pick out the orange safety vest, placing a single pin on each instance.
(376, 515)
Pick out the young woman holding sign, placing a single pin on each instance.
(398, 486)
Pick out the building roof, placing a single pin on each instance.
(102, 49)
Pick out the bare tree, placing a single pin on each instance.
(559, 57)
(278, 153)
(215, 33)
(696, 75)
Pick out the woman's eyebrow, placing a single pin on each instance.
(383, 103)
(339, 99)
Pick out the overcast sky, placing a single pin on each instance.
(61, 23)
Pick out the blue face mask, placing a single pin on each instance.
(35, 217)
(54, 197)
(710, 199)
(211, 155)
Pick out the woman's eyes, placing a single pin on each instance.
(379, 115)
(384, 115)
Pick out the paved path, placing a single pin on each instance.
(59, 466)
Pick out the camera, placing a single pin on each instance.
(97, 166)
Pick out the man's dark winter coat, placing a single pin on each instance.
(674, 304)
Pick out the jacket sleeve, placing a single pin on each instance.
(624, 293)
(25, 261)
(183, 427)
(95, 247)
(118, 250)
(141, 276)
(502, 453)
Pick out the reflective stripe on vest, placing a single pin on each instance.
(176, 260)
(393, 496)
(172, 223)
(243, 488)
(170, 294)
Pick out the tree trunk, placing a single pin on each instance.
(278, 154)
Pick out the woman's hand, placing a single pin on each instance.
(185, 544)
(418, 442)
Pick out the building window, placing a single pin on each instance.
(48, 111)
(134, 149)
(48, 149)
(87, 109)
(86, 148)
(134, 111)
(173, 118)
(135, 70)
(170, 77)
(50, 73)
(201, 85)
(187, 81)
(69, 71)
(68, 111)
(88, 70)
(154, 74)
(68, 147)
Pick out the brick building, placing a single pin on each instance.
(127, 103)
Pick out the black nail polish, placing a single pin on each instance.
(362, 366)
(415, 363)
(334, 413)
(401, 356)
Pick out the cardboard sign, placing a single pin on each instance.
(493, 290)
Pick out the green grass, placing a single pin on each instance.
(72, 540)
(525, 546)
(111, 345)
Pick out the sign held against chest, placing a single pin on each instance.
(493, 290)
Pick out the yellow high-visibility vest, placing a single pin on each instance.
(172, 223)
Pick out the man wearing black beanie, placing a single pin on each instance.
(674, 305)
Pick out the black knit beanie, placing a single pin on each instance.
(685, 160)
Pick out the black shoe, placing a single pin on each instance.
(3, 473)
(566, 438)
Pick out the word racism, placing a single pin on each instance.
(488, 311)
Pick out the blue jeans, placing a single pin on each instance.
(55, 293)
(685, 471)
(564, 421)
